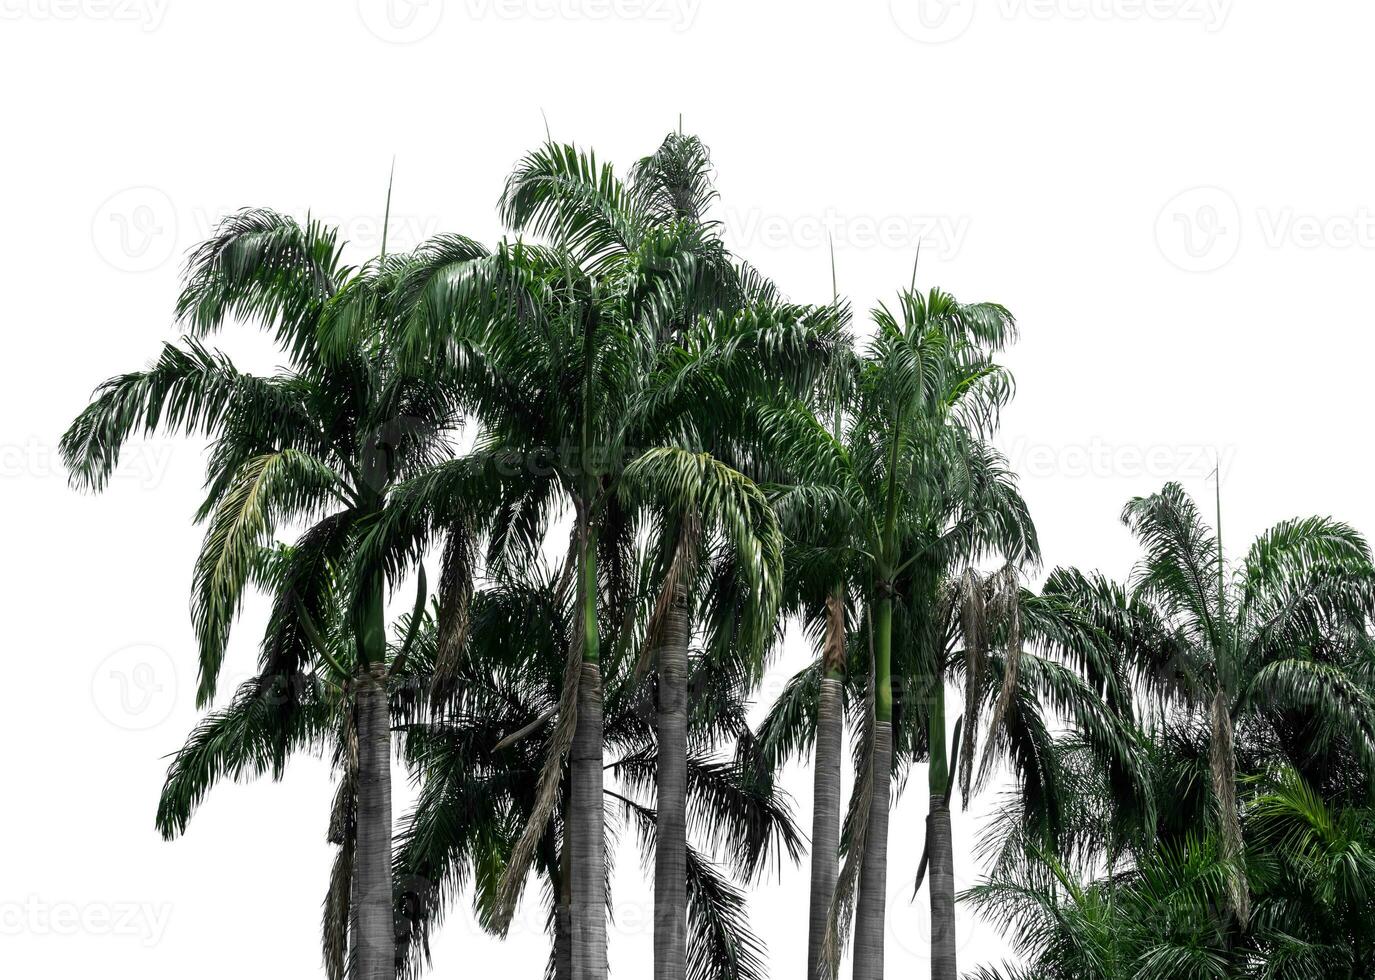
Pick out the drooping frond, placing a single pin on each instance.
(265, 268)
(269, 490)
(247, 738)
(721, 497)
(189, 390)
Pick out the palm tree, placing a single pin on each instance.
(818, 565)
(715, 518)
(323, 442)
(273, 716)
(633, 334)
(1153, 923)
(478, 762)
(1313, 896)
(1265, 646)
(711, 525)
(925, 393)
(1158, 909)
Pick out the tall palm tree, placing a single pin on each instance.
(711, 525)
(713, 516)
(632, 332)
(819, 563)
(323, 442)
(1264, 645)
(925, 393)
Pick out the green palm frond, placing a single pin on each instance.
(266, 268)
(270, 489)
(249, 737)
(721, 945)
(788, 730)
(674, 183)
(564, 194)
(1180, 565)
(189, 390)
(720, 497)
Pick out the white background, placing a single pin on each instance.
(1172, 195)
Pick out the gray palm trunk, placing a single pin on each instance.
(1222, 764)
(871, 906)
(588, 867)
(563, 916)
(670, 849)
(375, 948)
(942, 856)
(825, 820)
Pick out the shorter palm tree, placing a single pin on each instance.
(1266, 651)
(1084, 908)
(282, 712)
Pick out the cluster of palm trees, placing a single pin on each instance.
(631, 462)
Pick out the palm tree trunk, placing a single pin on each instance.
(826, 783)
(670, 849)
(940, 845)
(871, 907)
(1223, 768)
(563, 930)
(588, 911)
(871, 910)
(825, 820)
(942, 892)
(586, 818)
(376, 939)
